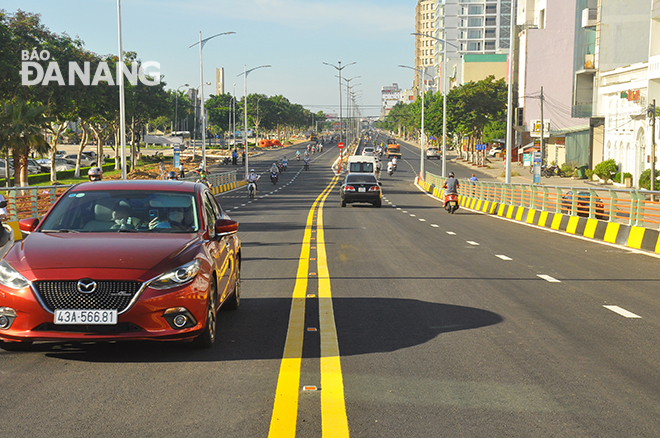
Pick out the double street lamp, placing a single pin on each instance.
(339, 69)
(422, 171)
(245, 127)
(201, 43)
(443, 79)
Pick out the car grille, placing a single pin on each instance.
(122, 327)
(107, 296)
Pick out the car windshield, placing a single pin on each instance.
(123, 210)
(361, 179)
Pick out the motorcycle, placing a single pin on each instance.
(298, 157)
(306, 165)
(252, 190)
(390, 171)
(451, 202)
(274, 177)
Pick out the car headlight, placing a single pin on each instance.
(10, 277)
(177, 277)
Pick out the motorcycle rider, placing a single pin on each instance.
(452, 185)
(298, 155)
(95, 174)
(284, 163)
(390, 167)
(171, 175)
(306, 162)
(394, 163)
(253, 178)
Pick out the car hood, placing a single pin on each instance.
(80, 252)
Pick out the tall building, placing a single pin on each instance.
(479, 29)
(390, 96)
(425, 22)
(219, 81)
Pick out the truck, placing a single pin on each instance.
(393, 149)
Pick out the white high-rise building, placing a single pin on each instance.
(390, 96)
(425, 54)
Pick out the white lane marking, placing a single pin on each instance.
(398, 208)
(422, 220)
(413, 215)
(472, 242)
(548, 278)
(451, 233)
(622, 312)
(503, 257)
(404, 211)
(242, 205)
(435, 226)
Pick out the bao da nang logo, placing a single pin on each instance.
(33, 73)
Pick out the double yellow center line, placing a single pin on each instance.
(334, 422)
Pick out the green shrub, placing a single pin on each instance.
(617, 177)
(567, 170)
(606, 169)
(645, 180)
(590, 174)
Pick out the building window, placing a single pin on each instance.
(475, 22)
(491, 21)
(474, 46)
(489, 45)
(490, 33)
(475, 10)
(491, 9)
(474, 34)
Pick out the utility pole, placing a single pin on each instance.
(652, 116)
(542, 143)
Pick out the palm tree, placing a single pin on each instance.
(23, 131)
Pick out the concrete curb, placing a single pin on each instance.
(626, 235)
(227, 187)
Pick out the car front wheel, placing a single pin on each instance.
(207, 337)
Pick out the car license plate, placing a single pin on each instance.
(362, 189)
(67, 316)
(452, 203)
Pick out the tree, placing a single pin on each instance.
(22, 130)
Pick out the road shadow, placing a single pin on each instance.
(257, 331)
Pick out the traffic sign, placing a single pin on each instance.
(340, 145)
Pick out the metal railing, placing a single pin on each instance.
(625, 206)
(26, 202)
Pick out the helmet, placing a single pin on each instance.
(451, 175)
(171, 175)
(95, 174)
(251, 170)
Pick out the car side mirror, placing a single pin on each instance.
(225, 227)
(28, 225)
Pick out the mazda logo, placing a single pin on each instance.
(86, 286)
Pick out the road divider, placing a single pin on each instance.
(334, 422)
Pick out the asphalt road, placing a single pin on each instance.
(443, 324)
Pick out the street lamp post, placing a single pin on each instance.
(348, 81)
(245, 127)
(122, 108)
(256, 124)
(443, 78)
(201, 81)
(339, 69)
(422, 171)
(176, 107)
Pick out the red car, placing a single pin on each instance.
(122, 260)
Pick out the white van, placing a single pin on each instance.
(362, 164)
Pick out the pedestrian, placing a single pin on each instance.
(181, 172)
(243, 157)
(473, 178)
(234, 157)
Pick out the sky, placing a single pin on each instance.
(295, 37)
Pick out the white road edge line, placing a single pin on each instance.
(622, 312)
(548, 278)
